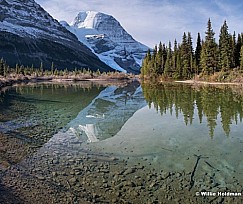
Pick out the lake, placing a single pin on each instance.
(123, 142)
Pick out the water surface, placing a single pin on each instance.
(164, 138)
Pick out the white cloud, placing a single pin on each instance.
(152, 21)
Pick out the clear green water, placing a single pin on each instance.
(165, 127)
(31, 114)
(180, 123)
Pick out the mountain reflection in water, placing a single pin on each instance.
(108, 112)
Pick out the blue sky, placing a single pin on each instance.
(156, 20)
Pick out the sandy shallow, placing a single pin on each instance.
(66, 170)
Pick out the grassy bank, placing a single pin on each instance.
(69, 76)
(223, 77)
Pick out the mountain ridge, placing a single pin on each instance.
(29, 35)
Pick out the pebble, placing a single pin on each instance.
(54, 174)
(129, 183)
(73, 181)
(41, 178)
(119, 186)
(129, 171)
(165, 174)
(152, 185)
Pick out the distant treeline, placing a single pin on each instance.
(32, 72)
(5, 70)
(209, 57)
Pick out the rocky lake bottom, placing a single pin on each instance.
(50, 152)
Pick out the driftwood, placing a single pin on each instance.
(192, 181)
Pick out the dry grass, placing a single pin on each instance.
(14, 78)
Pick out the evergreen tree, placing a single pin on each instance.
(190, 52)
(32, 69)
(237, 50)
(21, 69)
(174, 56)
(52, 68)
(56, 73)
(183, 62)
(41, 68)
(164, 55)
(159, 59)
(224, 48)
(209, 55)
(233, 50)
(155, 61)
(178, 72)
(6, 69)
(198, 52)
(168, 63)
(146, 64)
(2, 67)
(17, 69)
(241, 58)
(185, 57)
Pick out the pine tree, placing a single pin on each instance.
(164, 55)
(32, 69)
(168, 63)
(174, 56)
(52, 68)
(185, 57)
(190, 52)
(241, 58)
(17, 69)
(159, 59)
(21, 69)
(178, 72)
(41, 68)
(224, 48)
(198, 52)
(2, 67)
(233, 50)
(146, 64)
(237, 50)
(209, 55)
(155, 60)
(6, 69)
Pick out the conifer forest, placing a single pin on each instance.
(184, 62)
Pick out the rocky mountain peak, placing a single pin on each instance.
(85, 19)
(103, 23)
(106, 37)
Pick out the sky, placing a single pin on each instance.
(156, 20)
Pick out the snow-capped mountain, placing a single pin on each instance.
(105, 36)
(29, 35)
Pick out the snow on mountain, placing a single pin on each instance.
(105, 36)
(29, 35)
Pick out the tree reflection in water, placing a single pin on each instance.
(212, 102)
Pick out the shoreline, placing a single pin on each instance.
(11, 81)
(194, 82)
